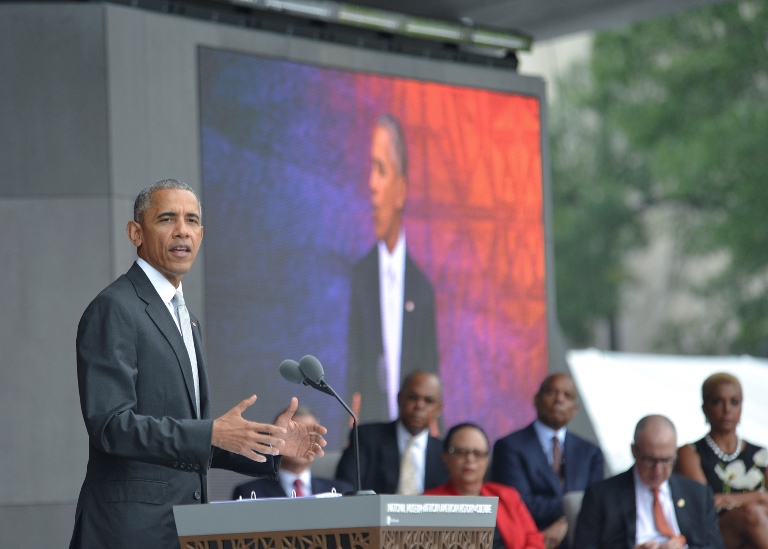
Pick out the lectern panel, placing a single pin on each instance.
(350, 522)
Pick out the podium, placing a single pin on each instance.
(349, 522)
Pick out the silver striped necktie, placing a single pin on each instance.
(186, 333)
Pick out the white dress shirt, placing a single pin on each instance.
(646, 525)
(391, 291)
(418, 451)
(164, 288)
(287, 479)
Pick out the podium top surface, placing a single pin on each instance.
(311, 513)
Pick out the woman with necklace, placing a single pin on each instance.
(743, 516)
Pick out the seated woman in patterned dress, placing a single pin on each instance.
(743, 514)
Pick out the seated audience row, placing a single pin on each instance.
(647, 507)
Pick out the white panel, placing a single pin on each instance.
(618, 389)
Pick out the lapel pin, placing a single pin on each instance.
(194, 324)
(681, 502)
(410, 306)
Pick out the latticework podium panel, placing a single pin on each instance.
(350, 522)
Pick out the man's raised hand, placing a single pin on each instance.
(301, 440)
(250, 439)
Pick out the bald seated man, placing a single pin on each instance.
(525, 459)
(387, 448)
(648, 507)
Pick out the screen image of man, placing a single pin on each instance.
(392, 310)
(649, 507)
(144, 392)
(401, 457)
(295, 475)
(544, 460)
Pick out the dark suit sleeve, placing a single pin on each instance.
(345, 469)
(222, 459)
(590, 522)
(510, 468)
(370, 459)
(706, 533)
(108, 340)
(596, 467)
(431, 358)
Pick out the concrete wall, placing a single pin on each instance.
(97, 101)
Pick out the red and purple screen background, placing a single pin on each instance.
(285, 162)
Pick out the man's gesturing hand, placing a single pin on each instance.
(250, 439)
(301, 440)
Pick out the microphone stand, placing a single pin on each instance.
(323, 386)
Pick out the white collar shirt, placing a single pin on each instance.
(163, 287)
(287, 480)
(391, 291)
(545, 435)
(646, 526)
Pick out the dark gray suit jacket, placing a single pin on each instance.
(380, 460)
(608, 517)
(147, 450)
(365, 367)
(519, 461)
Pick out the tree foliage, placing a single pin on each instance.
(669, 113)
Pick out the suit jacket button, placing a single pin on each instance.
(175, 463)
(189, 466)
(197, 467)
(183, 465)
(197, 494)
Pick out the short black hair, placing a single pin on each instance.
(453, 430)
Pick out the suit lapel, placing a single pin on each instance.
(572, 456)
(160, 316)
(372, 295)
(629, 508)
(683, 518)
(409, 317)
(390, 458)
(201, 370)
(544, 469)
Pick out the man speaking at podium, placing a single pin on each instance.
(144, 392)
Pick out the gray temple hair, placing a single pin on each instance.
(399, 149)
(144, 200)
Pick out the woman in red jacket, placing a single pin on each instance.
(465, 453)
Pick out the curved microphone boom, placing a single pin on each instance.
(310, 372)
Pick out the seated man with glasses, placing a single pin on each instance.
(648, 507)
(465, 453)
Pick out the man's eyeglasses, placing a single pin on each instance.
(650, 462)
(464, 452)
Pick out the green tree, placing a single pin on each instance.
(595, 219)
(682, 111)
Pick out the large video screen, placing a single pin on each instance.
(298, 164)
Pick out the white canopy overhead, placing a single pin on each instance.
(617, 389)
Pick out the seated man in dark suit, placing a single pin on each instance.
(295, 474)
(401, 457)
(544, 460)
(648, 507)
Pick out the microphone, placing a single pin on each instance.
(291, 371)
(310, 372)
